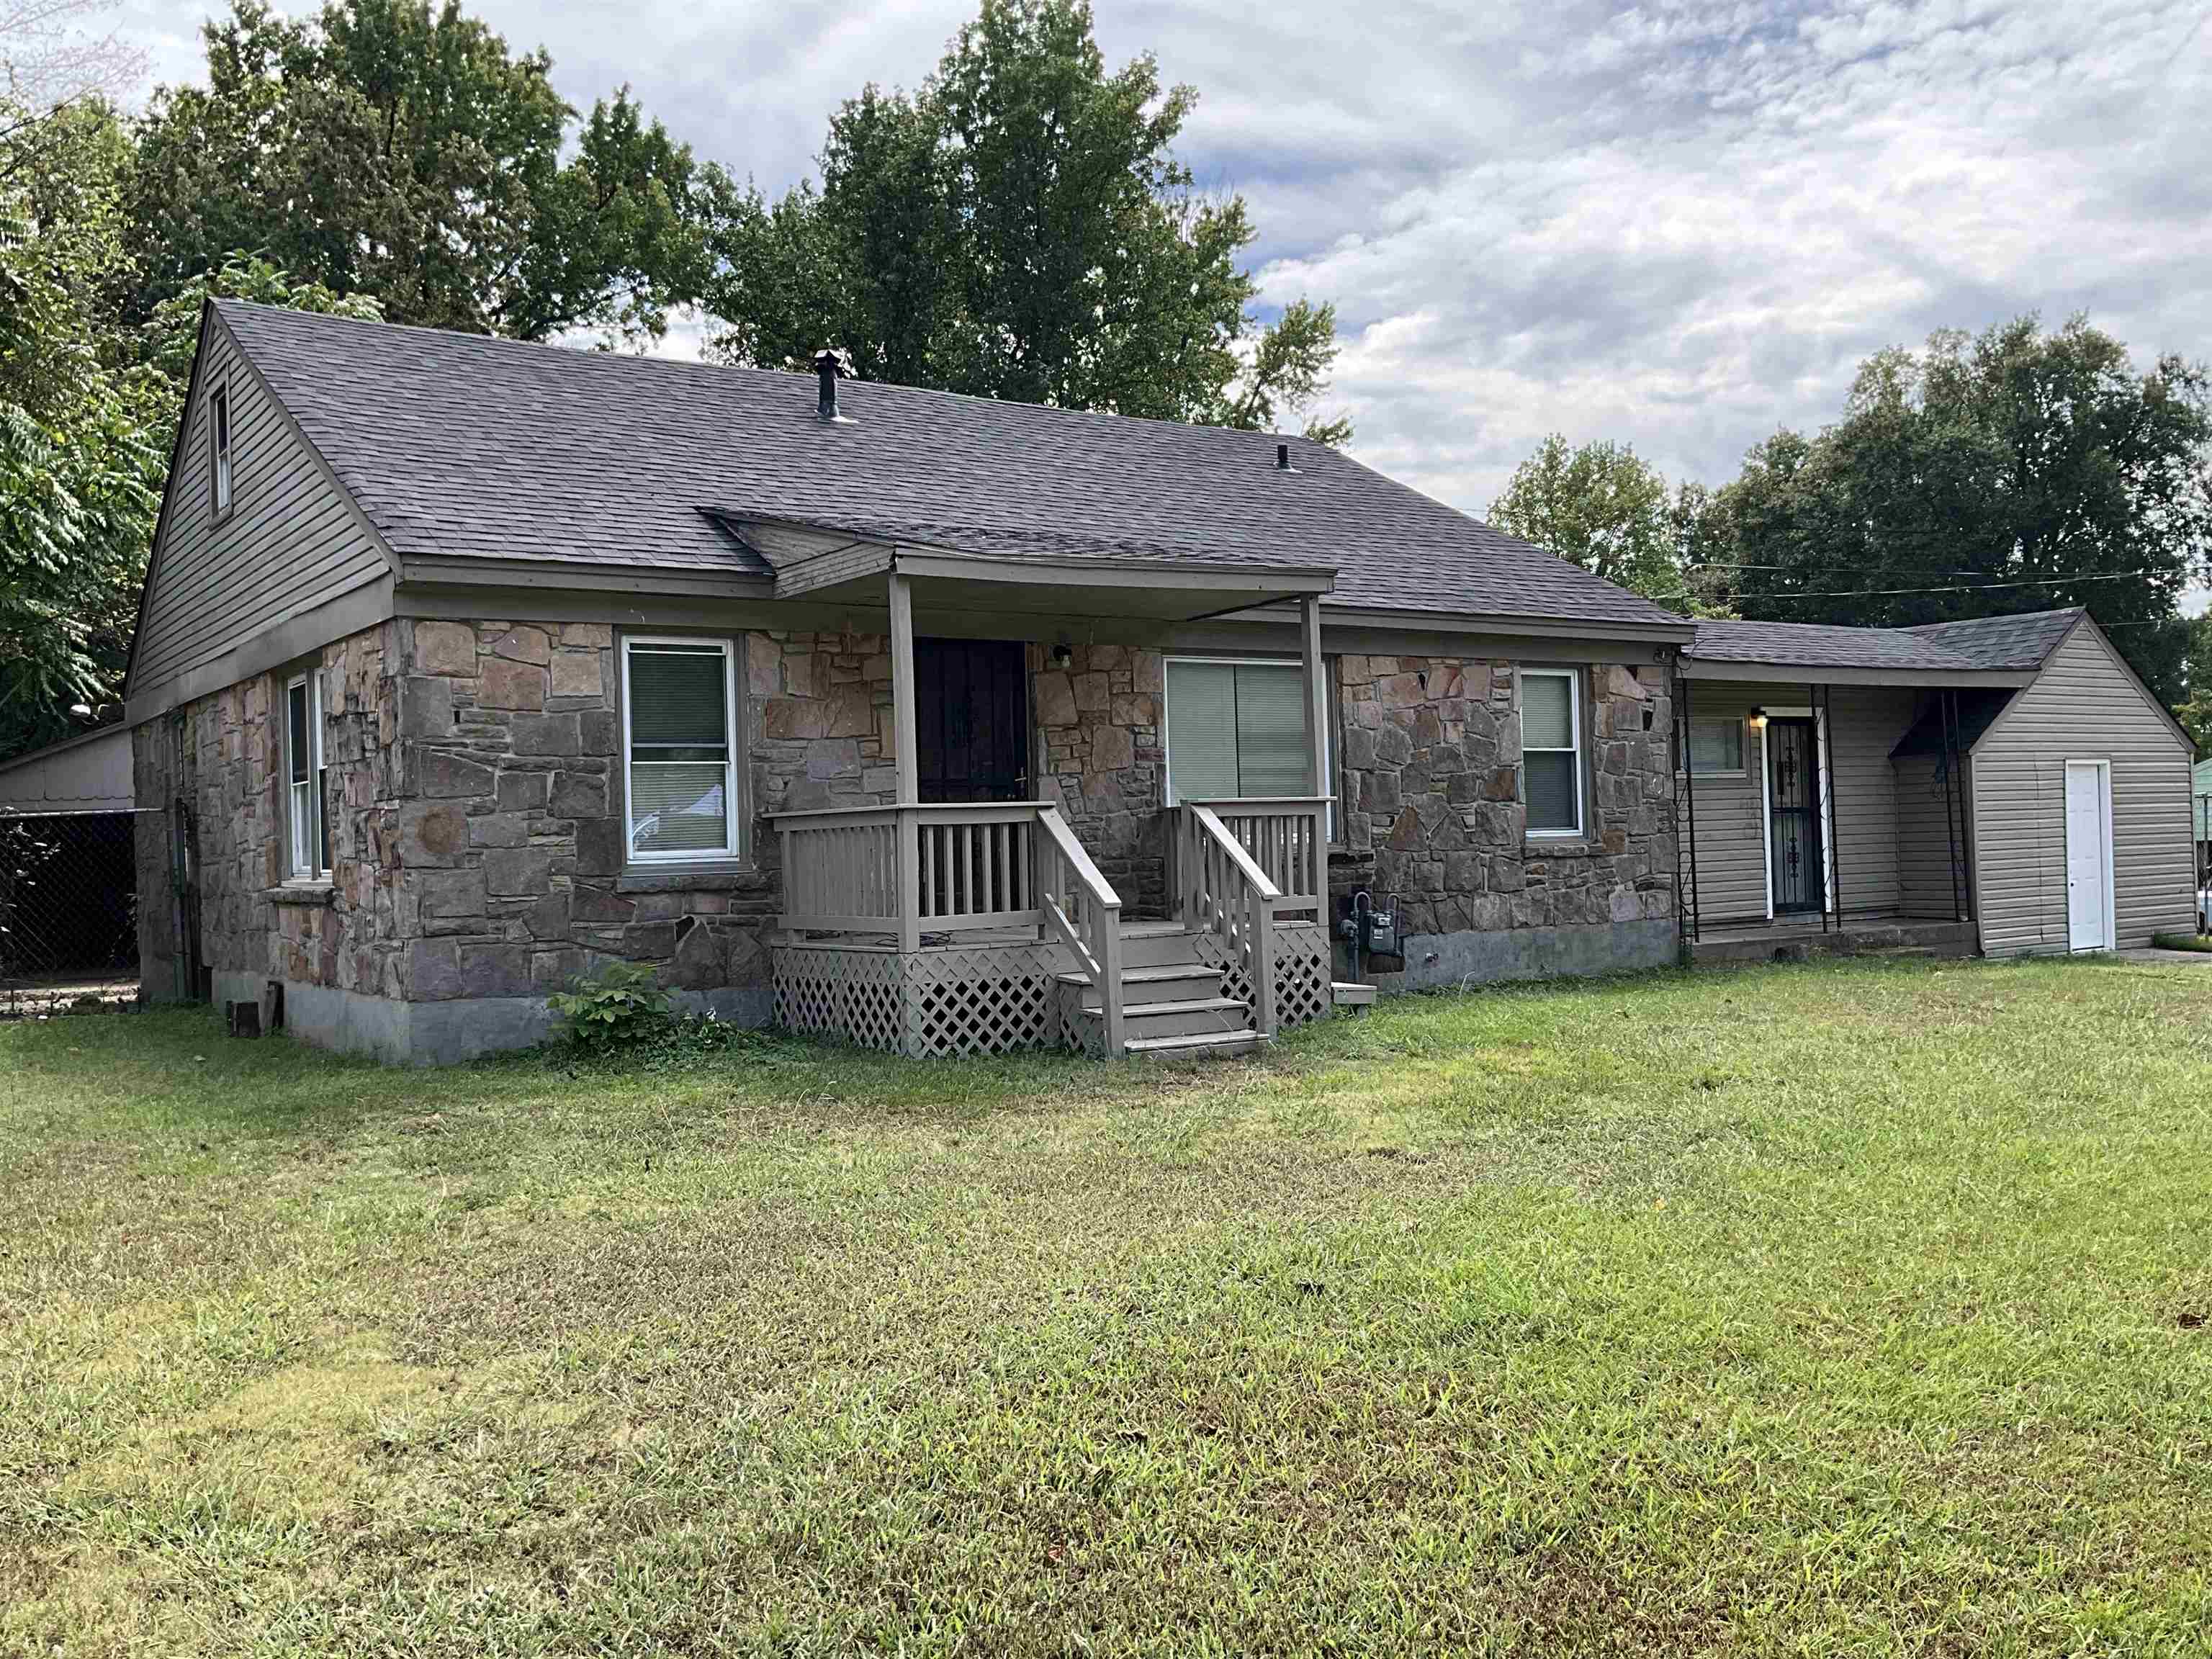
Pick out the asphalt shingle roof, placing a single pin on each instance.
(1989, 643)
(457, 444)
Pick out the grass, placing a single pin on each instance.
(2182, 941)
(1822, 1308)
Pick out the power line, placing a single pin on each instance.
(1954, 588)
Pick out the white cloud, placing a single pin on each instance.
(1681, 223)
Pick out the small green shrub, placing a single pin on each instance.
(619, 1007)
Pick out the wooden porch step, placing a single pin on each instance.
(1197, 1046)
(1169, 982)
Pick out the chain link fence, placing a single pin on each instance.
(68, 912)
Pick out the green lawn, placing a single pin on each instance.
(1808, 1310)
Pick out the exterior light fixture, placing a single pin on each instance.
(1757, 718)
(1063, 654)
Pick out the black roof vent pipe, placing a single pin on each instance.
(829, 363)
(1283, 458)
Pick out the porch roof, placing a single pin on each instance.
(1983, 651)
(469, 450)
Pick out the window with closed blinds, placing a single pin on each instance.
(1236, 731)
(1716, 746)
(1550, 750)
(679, 702)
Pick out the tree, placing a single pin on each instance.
(79, 480)
(1021, 228)
(1604, 508)
(2194, 711)
(49, 62)
(386, 149)
(2022, 471)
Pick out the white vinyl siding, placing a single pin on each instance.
(2084, 706)
(680, 749)
(1236, 731)
(1551, 749)
(290, 542)
(307, 837)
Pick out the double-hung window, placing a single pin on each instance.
(306, 815)
(1236, 731)
(219, 443)
(679, 749)
(1717, 748)
(1551, 749)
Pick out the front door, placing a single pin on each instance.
(1793, 798)
(971, 720)
(2088, 858)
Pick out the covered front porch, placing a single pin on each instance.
(1828, 815)
(966, 913)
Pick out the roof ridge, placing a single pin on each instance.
(2009, 615)
(707, 368)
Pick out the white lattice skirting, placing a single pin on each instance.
(983, 999)
(989, 999)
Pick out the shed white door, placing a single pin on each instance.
(2088, 856)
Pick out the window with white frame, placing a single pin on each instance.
(1550, 750)
(1236, 731)
(219, 443)
(679, 749)
(307, 816)
(1717, 748)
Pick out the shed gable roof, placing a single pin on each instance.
(2015, 644)
(464, 446)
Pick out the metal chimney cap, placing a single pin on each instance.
(1283, 458)
(830, 363)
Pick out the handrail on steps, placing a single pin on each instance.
(1243, 917)
(1080, 904)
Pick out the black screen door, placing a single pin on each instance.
(1793, 794)
(971, 720)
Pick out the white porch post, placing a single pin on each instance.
(1316, 738)
(908, 770)
(1317, 690)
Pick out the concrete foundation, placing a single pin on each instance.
(1444, 961)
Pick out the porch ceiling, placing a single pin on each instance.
(1141, 590)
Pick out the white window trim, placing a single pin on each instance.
(1574, 679)
(1743, 747)
(222, 444)
(312, 872)
(734, 814)
(1328, 736)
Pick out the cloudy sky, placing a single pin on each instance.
(1679, 224)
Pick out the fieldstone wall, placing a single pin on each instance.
(1432, 783)
(513, 833)
(222, 754)
(1099, 728)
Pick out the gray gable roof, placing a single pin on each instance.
(1988, 643)
(458, 445)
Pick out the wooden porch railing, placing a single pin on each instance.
(1224, 891)
(1082, 911)
(905, 871)
(1287, 837)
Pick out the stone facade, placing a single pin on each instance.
(1430, 761)
(478, 845)
(222, 757)
(1101, 732)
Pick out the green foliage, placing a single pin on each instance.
(620, 1007)
(2022, 471)
(1020, 229)
(1603, 507)
(80, 470)
(389, 149)
(2194, 711)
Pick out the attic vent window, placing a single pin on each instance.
(219, 440)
